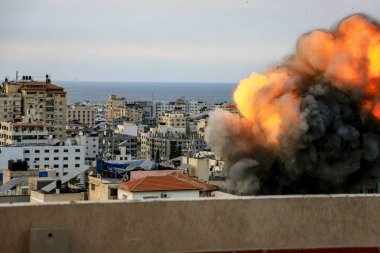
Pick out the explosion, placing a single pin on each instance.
(311, 125)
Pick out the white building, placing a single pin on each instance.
(127, 128)
(60, 158)
(90, 141)
(158, 187)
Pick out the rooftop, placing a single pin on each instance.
(172, 182)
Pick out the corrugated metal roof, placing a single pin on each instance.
(10, 184)
(72, 174)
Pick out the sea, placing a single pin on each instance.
(97, 92)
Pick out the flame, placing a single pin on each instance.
(349, 56)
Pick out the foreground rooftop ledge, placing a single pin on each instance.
(204, 225)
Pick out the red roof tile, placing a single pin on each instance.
(205, 186)
(172, 182)
(162, 183)
(51, 86)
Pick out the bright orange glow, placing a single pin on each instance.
(246, 91)
(272, 123)
(349, 56)
(374, 57)
(376, 111)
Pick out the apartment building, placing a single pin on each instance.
(84, 114)
(62, 159)
(162, 146)
(181, 105)
(10, 106)
(90, 141)
(134, 115)
(116, 108)
(177, 120)
(44, 100)
(23, 133)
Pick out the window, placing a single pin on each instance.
(36, 159)
(36, 151)
(65, 166)
(26, 151)
(56, 150)
(37, 166)
(56, 166)
(113, 192)
(77, 158)
(46, 159)
(56, 158)
(65, 150)
(77, 165)
(26, 159)
(65, 158)
(77, 150)
(47, 150)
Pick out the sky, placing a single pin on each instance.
(159, 40)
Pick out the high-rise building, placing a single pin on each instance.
(116, 108)
(44, 101)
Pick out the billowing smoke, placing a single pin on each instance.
(311, 125)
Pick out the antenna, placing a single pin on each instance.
(16, 75)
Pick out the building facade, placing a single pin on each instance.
(45, 101)
(84, 114)
(23, 133)
(116, 108)
(60, 158)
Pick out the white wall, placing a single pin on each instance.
(91, 144)
(128, 129)
(7, 153)
(60, 158)
(190, 194)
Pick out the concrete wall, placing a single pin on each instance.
(123, 194)
(200, 225)
(198, 167)
(37, 197)
(99, 189)
(14, 198)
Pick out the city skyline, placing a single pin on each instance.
(201, 41)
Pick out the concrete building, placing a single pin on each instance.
(180, 105)
(158, 187)
(204, 166)
(162, 146)
(100, 188)
(111, 143)
(62, 159)
(134, 114)
(90, 141)
(116, 108)
(84, 114)
(201, 127)
(42, 197)
(127, 128)
(177, 120)
(10, 106)
(44, 100)
(23, 133)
